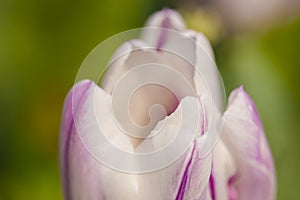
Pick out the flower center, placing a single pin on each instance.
(150, 95)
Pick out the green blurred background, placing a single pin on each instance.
(42, 44)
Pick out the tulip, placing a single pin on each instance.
(238, 166)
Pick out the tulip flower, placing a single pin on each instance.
(238, 166)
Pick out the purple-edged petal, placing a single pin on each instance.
(166, 18)
(161, 26)
(85, 177)
(73, 101)
(244, 137)
(196, 178)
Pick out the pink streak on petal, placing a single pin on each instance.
(181, 191)
(212, 185)
(233, 194)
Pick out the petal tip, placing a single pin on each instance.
(166, 18)
(242, 103)
(241, 88)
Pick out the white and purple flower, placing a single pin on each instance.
(239, 166)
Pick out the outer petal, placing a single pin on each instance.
(244, 136)
(84, 177)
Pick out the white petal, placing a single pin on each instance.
(83, 176)
(222, 170)
(189, 175)
(201, 41)
(86, 177)
(117, 66)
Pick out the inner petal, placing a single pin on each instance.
(145, 98)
